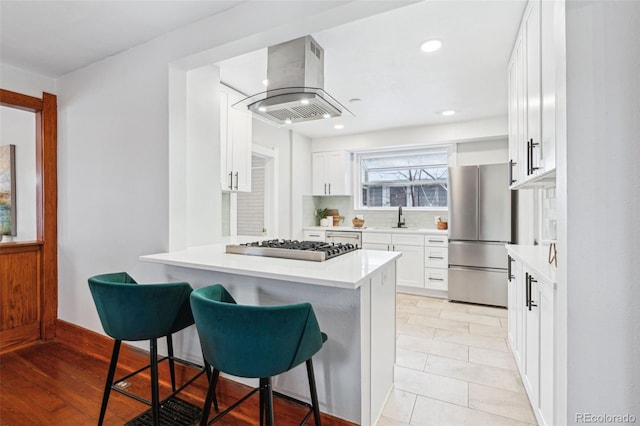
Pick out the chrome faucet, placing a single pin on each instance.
(400, 219)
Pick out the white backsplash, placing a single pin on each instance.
(372, 218)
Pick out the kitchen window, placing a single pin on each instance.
(412, 179)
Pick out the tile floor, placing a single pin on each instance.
(454, 367)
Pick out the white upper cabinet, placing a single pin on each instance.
(532, 96)
(331, 173)
(235, 143)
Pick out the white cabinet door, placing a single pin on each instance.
(331, 173)
(410, 267)
(319, 184)
(547, 370)
(531, 33)
(532, 346)
(235, 144)
(240, 141)
(548, 86)
(515, 138)
(376, 238)
(520, 308)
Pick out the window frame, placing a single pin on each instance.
(394, 152)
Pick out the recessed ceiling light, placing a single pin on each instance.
(262, 109)
(431, 46)
(448, 112)
(265, 82)
(339, 126)
(304, 101)
(287, 121)
(326, 115)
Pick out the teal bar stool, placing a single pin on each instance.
(132, 312)
(256, 342)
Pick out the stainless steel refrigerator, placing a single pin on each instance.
(480, 224)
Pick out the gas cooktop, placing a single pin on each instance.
(292, 249)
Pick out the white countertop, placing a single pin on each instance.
(346, 271)
(535, 259)
(379, 229)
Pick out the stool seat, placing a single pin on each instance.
(256, 342)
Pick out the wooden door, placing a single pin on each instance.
(29, 269)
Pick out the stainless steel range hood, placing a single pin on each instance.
(295, 72)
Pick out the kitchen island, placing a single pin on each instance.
(353, 296)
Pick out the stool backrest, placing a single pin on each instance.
(253, 341)
(132, 311)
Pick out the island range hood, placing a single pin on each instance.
(295, 74)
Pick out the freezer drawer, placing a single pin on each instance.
(488, 287)
(477, 254)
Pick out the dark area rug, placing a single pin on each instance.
(174, 412)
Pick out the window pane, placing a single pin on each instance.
(408, 180)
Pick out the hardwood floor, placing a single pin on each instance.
(57, 383)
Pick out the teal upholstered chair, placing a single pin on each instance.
(256, 342)
(132, 312)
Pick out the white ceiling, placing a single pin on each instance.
(376, 59)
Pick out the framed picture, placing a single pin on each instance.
(8, 190)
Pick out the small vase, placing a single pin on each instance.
(324, 222)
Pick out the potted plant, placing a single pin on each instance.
(322, 215)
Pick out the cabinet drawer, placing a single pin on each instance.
(313, 236)
(436, 257)
(407, 240)
(436, 279)
(436, 240)
(376, 238)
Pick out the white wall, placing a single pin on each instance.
(490, 128)
(599, 230)
(18, 127)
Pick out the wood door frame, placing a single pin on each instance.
(46, 119)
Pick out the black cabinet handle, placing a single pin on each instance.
(325, 189)
(329, 188)
(236, 180)
(511, 179)
(531, 302)
(435, 279)
(509, 274)
(230, 180)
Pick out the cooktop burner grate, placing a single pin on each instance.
(292, 249)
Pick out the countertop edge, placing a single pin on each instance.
(534, 258)
(179, 260)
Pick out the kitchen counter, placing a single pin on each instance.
(380, 229)
(346, 271)
(535, 259)
(353, 296)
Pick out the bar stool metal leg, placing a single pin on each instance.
(155, 393)
(314, 392)
(107, 387)
(265, 387)
(172, 369)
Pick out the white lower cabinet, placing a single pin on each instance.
(531, 336)
(410, 267)
(436, 262)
